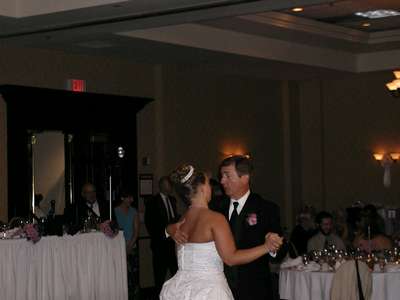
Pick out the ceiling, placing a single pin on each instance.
(260, 37)
(341, 13)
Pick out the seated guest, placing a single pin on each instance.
(128, 220)
(88, 206)
(302, 232)
(38, 210)
(325, 236)
(371, 235)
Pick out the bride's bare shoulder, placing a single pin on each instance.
(216, 216)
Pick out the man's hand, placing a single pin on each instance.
(273, 241)
(176, 234)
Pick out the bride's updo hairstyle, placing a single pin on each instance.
(186, 180)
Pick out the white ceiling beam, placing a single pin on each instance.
(378, 61)
(205, 37)
(289, 22)
(28, 8)
(386, 36)
(8, 8)
(142, 14)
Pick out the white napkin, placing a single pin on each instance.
(377, 268)
(338, 264)
(14, 233)
(392, 267)
(311, 267)
(289, 263)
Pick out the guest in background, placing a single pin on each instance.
(52, 210)
(128, 221)
(217, 195)
(325, 236)
(371, 236)
(161, 211)
(88, 206)
(38, 211)
(303, 231)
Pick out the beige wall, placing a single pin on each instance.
(311, 159)
(209, 116)
(51, 69)
(357, 117)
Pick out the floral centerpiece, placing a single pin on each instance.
(31, 232)
(109, 228)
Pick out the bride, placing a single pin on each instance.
(210, 244)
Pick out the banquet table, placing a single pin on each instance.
(301, 285)
(83, 266)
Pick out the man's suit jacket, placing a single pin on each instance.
(156, 219)
(252, 280)
(75, 215)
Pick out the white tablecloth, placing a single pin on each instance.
(86, 266)
(298, 285)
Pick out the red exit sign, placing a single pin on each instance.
(76, 85)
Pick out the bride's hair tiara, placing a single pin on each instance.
(188, 175)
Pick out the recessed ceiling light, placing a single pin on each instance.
(297, 9)
(366, 24)
(376, 14)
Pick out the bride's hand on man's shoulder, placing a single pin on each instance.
(176, 234)
(273, 241)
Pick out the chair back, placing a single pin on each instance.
(345, 284)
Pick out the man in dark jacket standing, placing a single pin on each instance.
(161, 211)
(250, 218)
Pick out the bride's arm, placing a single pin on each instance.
(226, 245)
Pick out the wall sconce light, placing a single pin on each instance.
(378, 156)
(247, 155)
(394, 86)
(387, 160)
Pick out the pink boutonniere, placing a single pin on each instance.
(252, 219)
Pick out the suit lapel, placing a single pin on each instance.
(247, 208)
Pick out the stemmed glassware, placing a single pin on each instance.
(3, 230)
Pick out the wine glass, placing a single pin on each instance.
(3, 231)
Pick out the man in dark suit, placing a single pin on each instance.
(250, 218)
(89, 205)
(161, 211)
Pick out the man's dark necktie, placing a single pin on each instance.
(234, 221)
(169, 215)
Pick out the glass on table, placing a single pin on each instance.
(3, 231)
(382, 263)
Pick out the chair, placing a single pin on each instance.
(345, 284)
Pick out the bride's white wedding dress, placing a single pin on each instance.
(200, 275)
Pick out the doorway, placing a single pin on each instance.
(93, 127)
